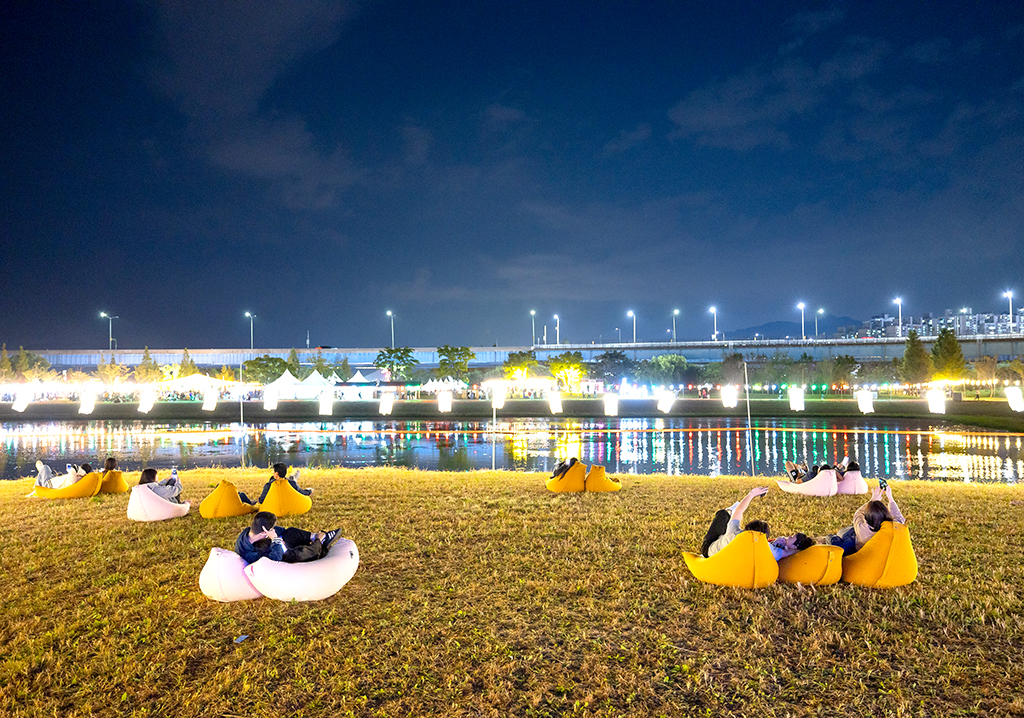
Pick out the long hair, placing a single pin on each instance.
(110, 464)
(876, 513)
(148, 476)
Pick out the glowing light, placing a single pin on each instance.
(269, 400)
(22, 399)
(88, 402)
(730, 396)
(147, 400)
(444, 401)
(866, 401)
(387, 402)
(498, 395)
(210, 399)
(327, 403)
(555, 402)
(665, 401)
(1015, 398)
(611, 404)
(796, 398)
(936, 401)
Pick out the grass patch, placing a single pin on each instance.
(483, 594)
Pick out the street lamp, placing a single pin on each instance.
(533, 327)
(1009, 295)
(110, 329)
(620, 334)
(820, 311)
(251, 317)
(714, 337)
(392, 328)
(557, 335)
(803, 334)
(675, 313)
(898, 301)
(630, 314)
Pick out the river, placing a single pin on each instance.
(891, 448)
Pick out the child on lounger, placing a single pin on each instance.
(291, 545)
(280, 472)
(867, 521)
(169, 488)
(726, 526)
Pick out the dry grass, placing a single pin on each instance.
(483, 594)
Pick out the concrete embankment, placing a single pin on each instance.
(990, 414)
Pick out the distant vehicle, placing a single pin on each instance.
(324, 347)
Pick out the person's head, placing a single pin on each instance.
(761, 526)
(148, 476)
(110, 464)
(86, 468)
(853, 466)
(876, 513)
(802, 541)
(262, 522)
(281, 470)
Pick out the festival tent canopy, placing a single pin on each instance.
(315, 379)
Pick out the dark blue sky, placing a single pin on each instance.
(460, 164)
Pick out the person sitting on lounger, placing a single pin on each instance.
(290, 545)
(726, 526)
(867, 521)
(169, 488)
(280, 472)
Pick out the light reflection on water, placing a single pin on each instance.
(895, 449)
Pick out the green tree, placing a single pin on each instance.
(342, 369)
(399, 362)
(77, 376)
(264, 369)
(320, 364)
(293, 363)
(568, 369)
(6, 368)
(612, 367)
(148, 371)
(777, 369)
(112, 372)
(519, 364)
(916, 367)
(1016, 367)
(732, 368)
(187, 367)
(454, 361)
(29, 366)
(947, 356)
(985, 371)
(664, 369)
(226, 373)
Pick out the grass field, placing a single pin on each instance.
(483, 594)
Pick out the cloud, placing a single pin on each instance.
(498, 116)
(627, 139)
(814, 22)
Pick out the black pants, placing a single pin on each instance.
(716, 530)
(300, 546)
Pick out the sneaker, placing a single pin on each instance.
(329, 538)
(792, 470)
(310, 491)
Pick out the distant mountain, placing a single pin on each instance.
(827, 326)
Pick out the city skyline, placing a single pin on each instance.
(321, 164)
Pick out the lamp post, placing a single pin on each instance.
(1009, 295)
(110, 329)
(558, 338)
(675, 313)
(714, 312)
(533, 327)
(898, 301)
(392, 328)
(620, 334)
(251, 317)
(820, 311)
(803, 334)
(631, 314)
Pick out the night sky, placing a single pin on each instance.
(461, 163)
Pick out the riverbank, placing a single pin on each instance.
(483, 594)
(990, 414)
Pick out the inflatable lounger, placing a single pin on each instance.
(283, 500)
(823, 484)
(852, 483)
(88, 485)
(113, 483)
(145, 505)
(887, 560)
(223, 502)
(818, 565)
(746, 562)
(597, 480)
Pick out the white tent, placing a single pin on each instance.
(312, 386)
(285, 386)
(358, 378)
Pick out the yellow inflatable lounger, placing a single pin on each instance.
(113, 483)
(283, 500)
(88, 485)
(597, 481)
(746, 562)
(818, 565)
(887, 560)
(573, 480)
(223, 502)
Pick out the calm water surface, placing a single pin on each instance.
(895, 449)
